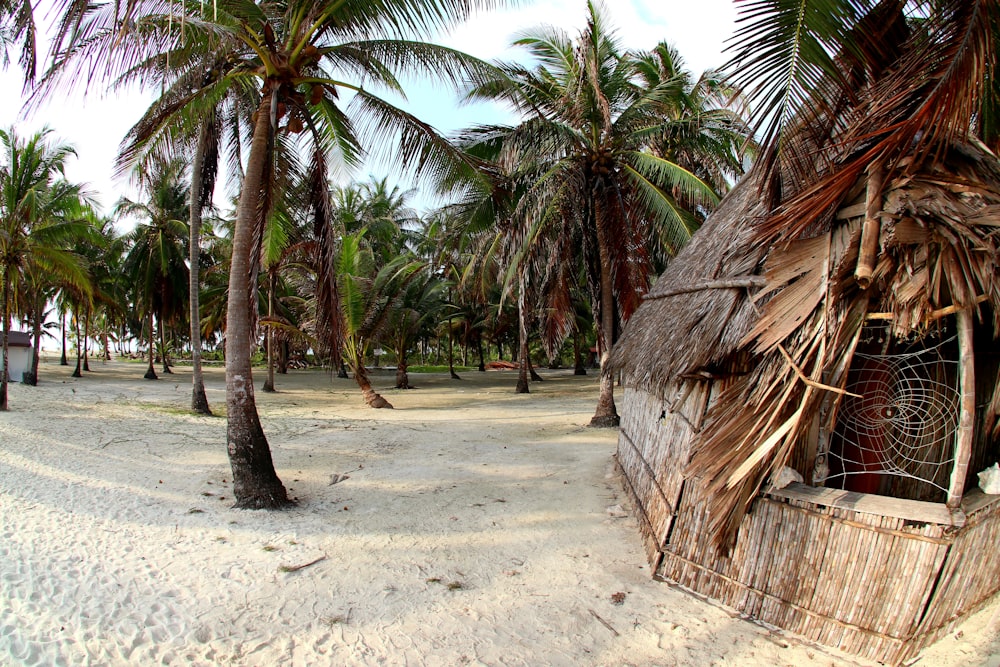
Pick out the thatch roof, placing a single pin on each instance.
(875, 198)
(797, 308)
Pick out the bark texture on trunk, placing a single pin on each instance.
(31, 377)
(150, 371)
(163, 349)
(255, 482)
(86, 339)
(522, 329)
(5, 313)
(535, 377)
(269, 334)
(372, 397)
(199, 400)
(63, 361)
(451, 355)
(402, 374)
(79, 345)
(606, 414)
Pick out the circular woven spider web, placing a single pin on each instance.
(904, 418)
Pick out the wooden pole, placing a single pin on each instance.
(872, 227)
(967, 408)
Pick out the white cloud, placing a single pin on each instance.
(697, 29)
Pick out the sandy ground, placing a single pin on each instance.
(474, 526)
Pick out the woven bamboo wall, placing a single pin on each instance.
(653, 446)
(859, 582)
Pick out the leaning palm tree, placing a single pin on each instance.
(39, 220)
(594, 184)
(300, 57)
(370, 295)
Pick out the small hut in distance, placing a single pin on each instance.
(19, 354)
(812, 386)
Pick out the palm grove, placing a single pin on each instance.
(552, 229)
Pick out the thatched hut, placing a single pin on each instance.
(19, 353)
(860, 355)
(811, 386)
(858, 352)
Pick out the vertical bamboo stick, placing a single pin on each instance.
(872, 227)
(967, 408)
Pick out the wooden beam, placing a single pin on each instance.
(967, 407)
(722, 283)
(871, 229)
(869, 503)
(933, 315)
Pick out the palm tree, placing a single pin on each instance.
(369, 295)
(300, 57)
(155, 261)
(596, 185)
(419, 306)
(39, 220)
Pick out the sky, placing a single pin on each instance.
(95, 125)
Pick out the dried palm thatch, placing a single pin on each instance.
(878, 204)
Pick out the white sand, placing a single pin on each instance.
(474, 528)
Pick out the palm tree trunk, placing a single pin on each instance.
(163, 348)
(86, 339)
(62, 359)
(535, 377)
(255, 483)
(372, 397)
(199, 400)
(402, 375)
(606, 414)
(283, 358)
(451, 347)
(482, 358)
(31, 377)
(5, 314)
(578, 366)
(150, 371)
(522, 337)
(77, 372)
(269, 382)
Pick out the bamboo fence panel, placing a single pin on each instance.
(831, 574)
(875, 576)
(969, 575)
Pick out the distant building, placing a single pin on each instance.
(19, 353)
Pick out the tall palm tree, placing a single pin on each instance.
(596, 187)
(155, 261)
(300, 57)
(39, 221)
